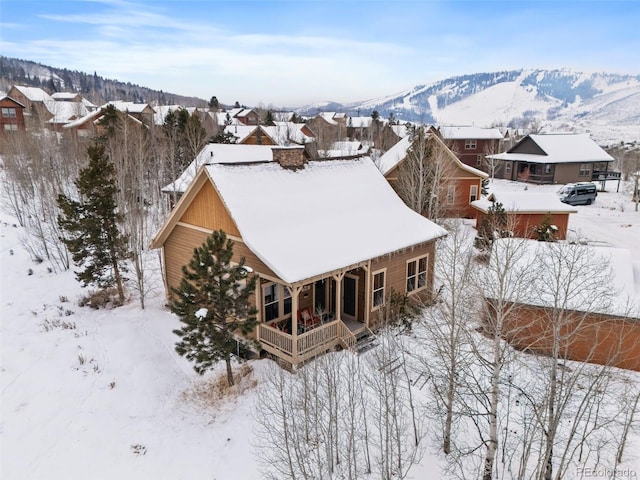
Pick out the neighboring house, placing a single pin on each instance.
(526, 210)
(555, 158)
(472, 144)
(88, 127)
(11, 116)
(594, 330)
(329, 241)
(461, 184)
(289, 133)
(250, 135)
(140, 111)
(38, 104)
(329, 127)
(74, 97)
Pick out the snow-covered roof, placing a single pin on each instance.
(220, 153)
(400, 130)
(398, 152)
(524, 201)
(284, 133)
(82, 120)
(558, 148)
(130, 106)
(241, 131)
(394, 155)
(65, 96)
(360, 122)
(63, 111)
(344, 149)
(34, 94)
(326, 216)
(545, 258)
(470, 132)
(328, 117)
(161, 112)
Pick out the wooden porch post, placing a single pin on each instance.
(258, 296)
(295, 291)
(338, 278)
(367, 292)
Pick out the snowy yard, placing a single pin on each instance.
(101, 394)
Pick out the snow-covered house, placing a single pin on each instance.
(461, 184)
(329, 240)
(250, 134)
(89, 125)
(526, 210)
(37, 103)
(584, 325)
(554, 158)
(141, 111)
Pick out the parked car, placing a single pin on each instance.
(583, 193)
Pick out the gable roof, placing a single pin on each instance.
(285, 133)
(470, 133)
(318, 219)
(7, 97)
(555, 148)
(324, 217)
(130, 107)
(220, 153)
(34, 94)
(242, 132)
(398, 153)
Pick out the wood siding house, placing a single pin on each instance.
(471, 144)
(36, 104)
(89, 126)
(461, 184)
(605, 332)
(11, 116)
(555, 158)
(329, 241)
(526, 210)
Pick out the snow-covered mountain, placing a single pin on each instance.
(606, 105)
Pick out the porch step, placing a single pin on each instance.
(366, 340)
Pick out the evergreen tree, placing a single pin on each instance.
(212, 302)
(546, 231)
(493, 225)
(269, 118)
(214, 104)
(92, 223)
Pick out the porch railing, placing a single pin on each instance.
(309, 344)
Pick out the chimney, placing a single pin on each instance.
(289, 157)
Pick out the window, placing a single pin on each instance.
(473, 193)
(507, 169)
(276, 300)
(451, 193)
(10, 127)
(8, 112)
(417, 274)
(585, 170)
(479, 159)
(547, 168)
(470, 144)
(378, 288)
(271, 303)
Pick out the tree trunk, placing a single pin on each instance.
(227, 360)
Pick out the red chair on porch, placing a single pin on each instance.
(307, 319)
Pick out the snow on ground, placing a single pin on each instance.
(102, 396)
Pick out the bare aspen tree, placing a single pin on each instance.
(422, 176)
(447, 325)
(505, 284)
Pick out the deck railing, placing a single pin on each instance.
(309, 344)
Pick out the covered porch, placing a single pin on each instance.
(306, 319)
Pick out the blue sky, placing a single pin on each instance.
(295, 52)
